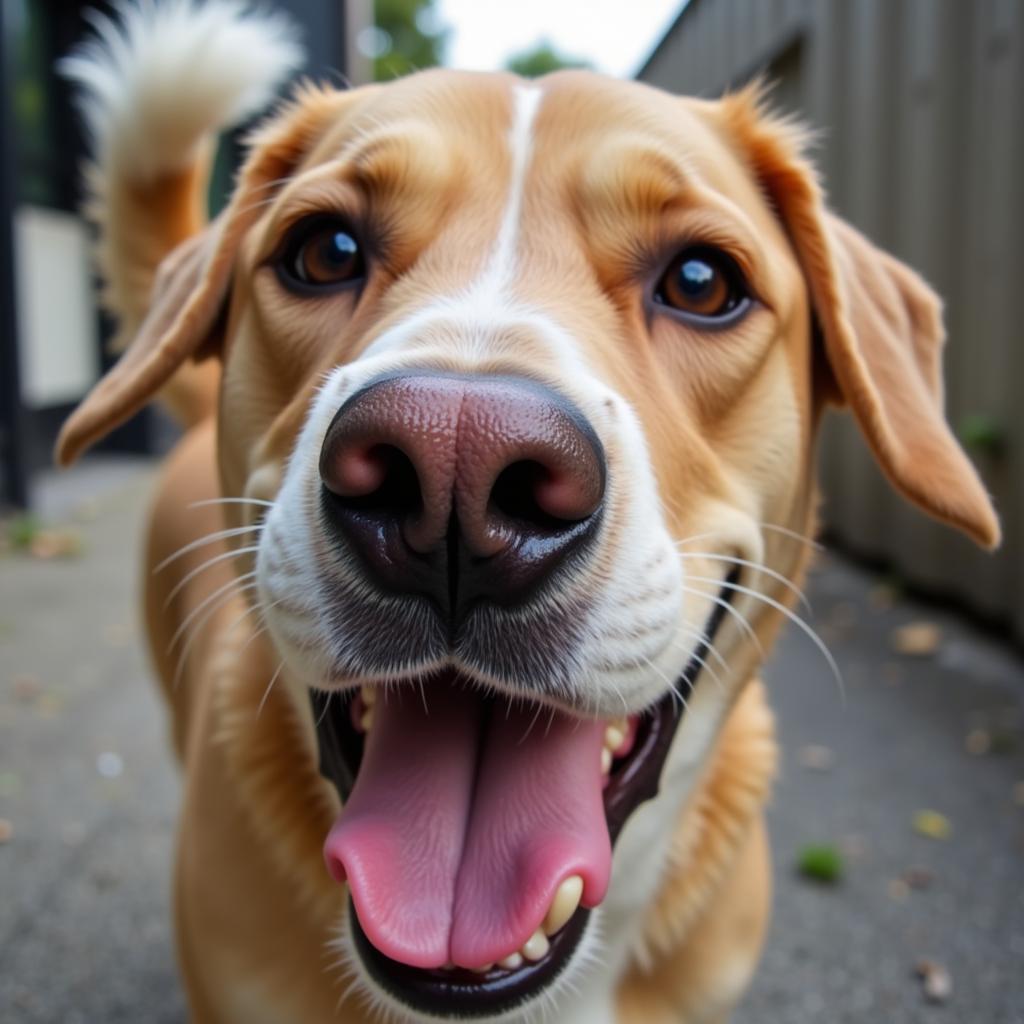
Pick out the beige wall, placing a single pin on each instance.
(922, 103)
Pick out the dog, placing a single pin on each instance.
(502, 398)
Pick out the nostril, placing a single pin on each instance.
(380, 478)
(533, 494)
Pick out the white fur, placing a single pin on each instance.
(160, 77)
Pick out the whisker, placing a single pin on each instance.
(270, 686)
(694, 656)
(793, 617)
(671, 686)
(192, 574)
(323, 713)
(730, 609)
(191, 617)
(235, 531)
(785, 531)
(757, 567)
(231, 501)
(201, 625)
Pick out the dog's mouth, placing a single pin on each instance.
(477, 831)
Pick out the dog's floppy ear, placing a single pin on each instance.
(881, 326)
(188, 294)
(193, 281)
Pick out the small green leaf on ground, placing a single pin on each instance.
(933, 825)
(821, 863)
(22, 530)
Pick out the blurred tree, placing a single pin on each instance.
(542, 59)
(407, 35)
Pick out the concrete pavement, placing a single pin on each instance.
(88, 789)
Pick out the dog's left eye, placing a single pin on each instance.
(703, 284)
(321, 254)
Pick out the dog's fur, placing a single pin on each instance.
(519, 228)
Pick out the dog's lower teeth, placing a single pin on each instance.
(564, 905)
(535, 946)
(511, 962)
(614, 737)
(369, 695)
(366, 720)
(483, 969)
(606, 760)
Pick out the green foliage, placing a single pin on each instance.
(541, 60)
(409, 37)
(22, 530)
(983, 433)
(821, 864)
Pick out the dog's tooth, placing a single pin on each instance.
(369, 695)
(366, 720)
(535, 946)
(564, 905)
(482, 969)
(614, 737)
(606, 760)
(512, 961)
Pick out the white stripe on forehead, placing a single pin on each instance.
(487, 304)
(520, 142)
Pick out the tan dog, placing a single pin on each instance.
(512, 459)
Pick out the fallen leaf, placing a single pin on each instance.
(899, 891)
(978, 742)
(935, 980)
(882, 597)
(933, 825)
(816, 758)
(917, 639)
(918, 878)
(48, 544)
(6, 831)
(26, 686)
(821, 863)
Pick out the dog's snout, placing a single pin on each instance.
(462, 487)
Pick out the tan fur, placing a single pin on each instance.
(729, 421)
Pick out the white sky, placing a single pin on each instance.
(616, 36)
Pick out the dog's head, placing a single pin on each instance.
(521, 383)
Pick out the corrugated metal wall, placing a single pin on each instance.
(922, 107)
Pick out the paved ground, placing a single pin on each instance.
(88, 791)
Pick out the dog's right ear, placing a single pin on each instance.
(192, 284)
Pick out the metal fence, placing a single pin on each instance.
(921, 106)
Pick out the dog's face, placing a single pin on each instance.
(528, 377)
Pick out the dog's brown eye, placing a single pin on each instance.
(702, 282)
(321, 255)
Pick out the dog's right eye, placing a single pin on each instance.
(321, 254)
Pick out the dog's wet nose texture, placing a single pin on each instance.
(461, 487)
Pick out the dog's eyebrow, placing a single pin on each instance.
(634, 176)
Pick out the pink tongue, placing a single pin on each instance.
(454, 842)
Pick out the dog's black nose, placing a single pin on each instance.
(461, 487)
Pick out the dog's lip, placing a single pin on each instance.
(634, 780)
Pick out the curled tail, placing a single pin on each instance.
(155, 85)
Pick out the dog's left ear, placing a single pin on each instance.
(881, 326)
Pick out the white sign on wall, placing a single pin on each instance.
(57, 328)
